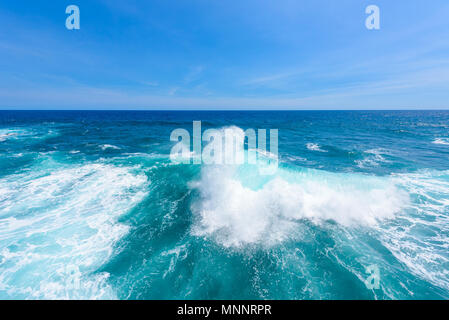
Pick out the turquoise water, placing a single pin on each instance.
(91, 207)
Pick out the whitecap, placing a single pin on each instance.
(314, 147)
(373, 158)
(109, 146)
(6, 134)
(444, 141)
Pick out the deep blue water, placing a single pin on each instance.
(92, 207)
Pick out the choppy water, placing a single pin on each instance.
(92, 207)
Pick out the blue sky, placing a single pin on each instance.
(215, 54)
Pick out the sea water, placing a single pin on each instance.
(92, 207)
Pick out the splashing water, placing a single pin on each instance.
(88, 214)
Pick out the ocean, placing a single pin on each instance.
(92, 207)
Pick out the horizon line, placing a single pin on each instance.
(227, 110)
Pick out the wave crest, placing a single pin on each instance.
(235, 211)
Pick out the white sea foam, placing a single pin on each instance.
(109, 146)
(236, 214)
(373, 158)
(239, 207)
(314, 147)
(57, 229)
(29, 133)
(6, 134)
(444, 141)
(420, 239)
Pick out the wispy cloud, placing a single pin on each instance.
(173, 91)
(147, 55)
(267, 79)
(193, 74)
(150, 83)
